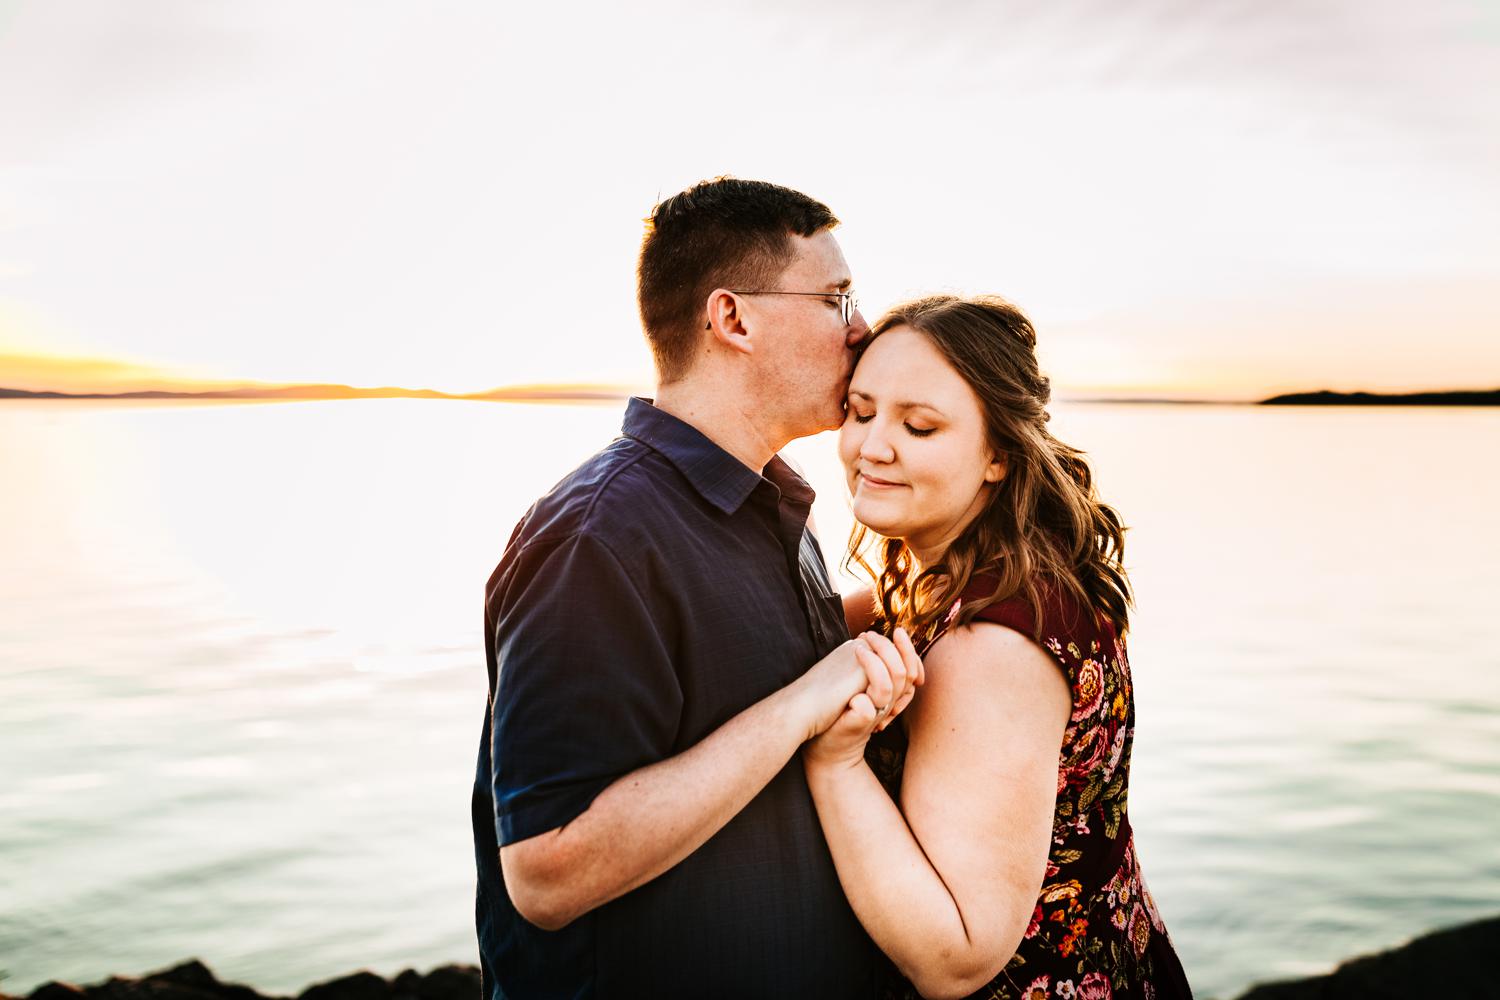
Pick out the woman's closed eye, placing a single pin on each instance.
(921, 432)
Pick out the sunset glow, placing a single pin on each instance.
(1196, 202)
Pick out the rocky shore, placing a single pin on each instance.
(1454, 962)
(192, 980)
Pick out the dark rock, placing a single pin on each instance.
(57, 991)
(358, 986)
(115, 988)
(192, 974)
(192, 980)
(407, 985)
(450, 982)
(1455, 962)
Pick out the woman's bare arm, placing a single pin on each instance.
(947, 884)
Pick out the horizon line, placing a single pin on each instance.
(42, 375)
(614, 392)
(309, 391)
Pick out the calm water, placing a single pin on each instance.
(241, 678)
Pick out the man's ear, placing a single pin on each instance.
(996, 470)
(727, 322)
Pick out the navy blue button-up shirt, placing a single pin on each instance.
(656, 592)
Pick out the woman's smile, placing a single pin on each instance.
(874, 482)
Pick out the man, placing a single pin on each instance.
(642, 823)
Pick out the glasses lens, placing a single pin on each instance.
(849, 306)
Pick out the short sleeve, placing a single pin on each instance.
(1060, 616)
(585, 688)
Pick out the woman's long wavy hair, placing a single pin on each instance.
(1043, 525)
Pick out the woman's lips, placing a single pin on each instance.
(877, 484)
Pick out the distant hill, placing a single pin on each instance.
(520, 393)
(1461, 397)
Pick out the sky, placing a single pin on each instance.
(1219, 200)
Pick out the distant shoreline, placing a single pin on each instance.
(610, 394)
(1323, 397)
(310, 393)
(1454, 397)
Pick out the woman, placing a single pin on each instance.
(1009, 869)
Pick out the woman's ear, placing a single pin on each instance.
(996, 470)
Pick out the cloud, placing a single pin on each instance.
(68, 70)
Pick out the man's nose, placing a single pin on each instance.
(859, 330)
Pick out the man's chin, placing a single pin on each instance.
(830, 420)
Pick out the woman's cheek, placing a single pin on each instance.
(849, 444)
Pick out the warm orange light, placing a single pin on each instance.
(77, 375)
(55, 373)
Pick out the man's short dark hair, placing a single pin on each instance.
(720, 233)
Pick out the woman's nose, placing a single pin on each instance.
(876, 447)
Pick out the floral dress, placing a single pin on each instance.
(1095, 932)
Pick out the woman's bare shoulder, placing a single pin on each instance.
(988, 663)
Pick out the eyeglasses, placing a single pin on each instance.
(847, 302)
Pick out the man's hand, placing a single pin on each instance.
(843, 742)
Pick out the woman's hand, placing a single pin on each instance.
(843, 743)
(868, 665)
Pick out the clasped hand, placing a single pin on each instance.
(883, 675)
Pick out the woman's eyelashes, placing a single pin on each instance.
(921, 432)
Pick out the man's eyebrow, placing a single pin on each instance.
(842, 285)
(904, 404)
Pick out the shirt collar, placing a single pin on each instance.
(722, 479)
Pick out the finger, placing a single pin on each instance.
(910, 661)
(857, 720)
(879, 684)
(878, 679)
(915, 668)
(857, 679)
(907, 651)
(893, 660)
(863, 709)
(896, 709)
